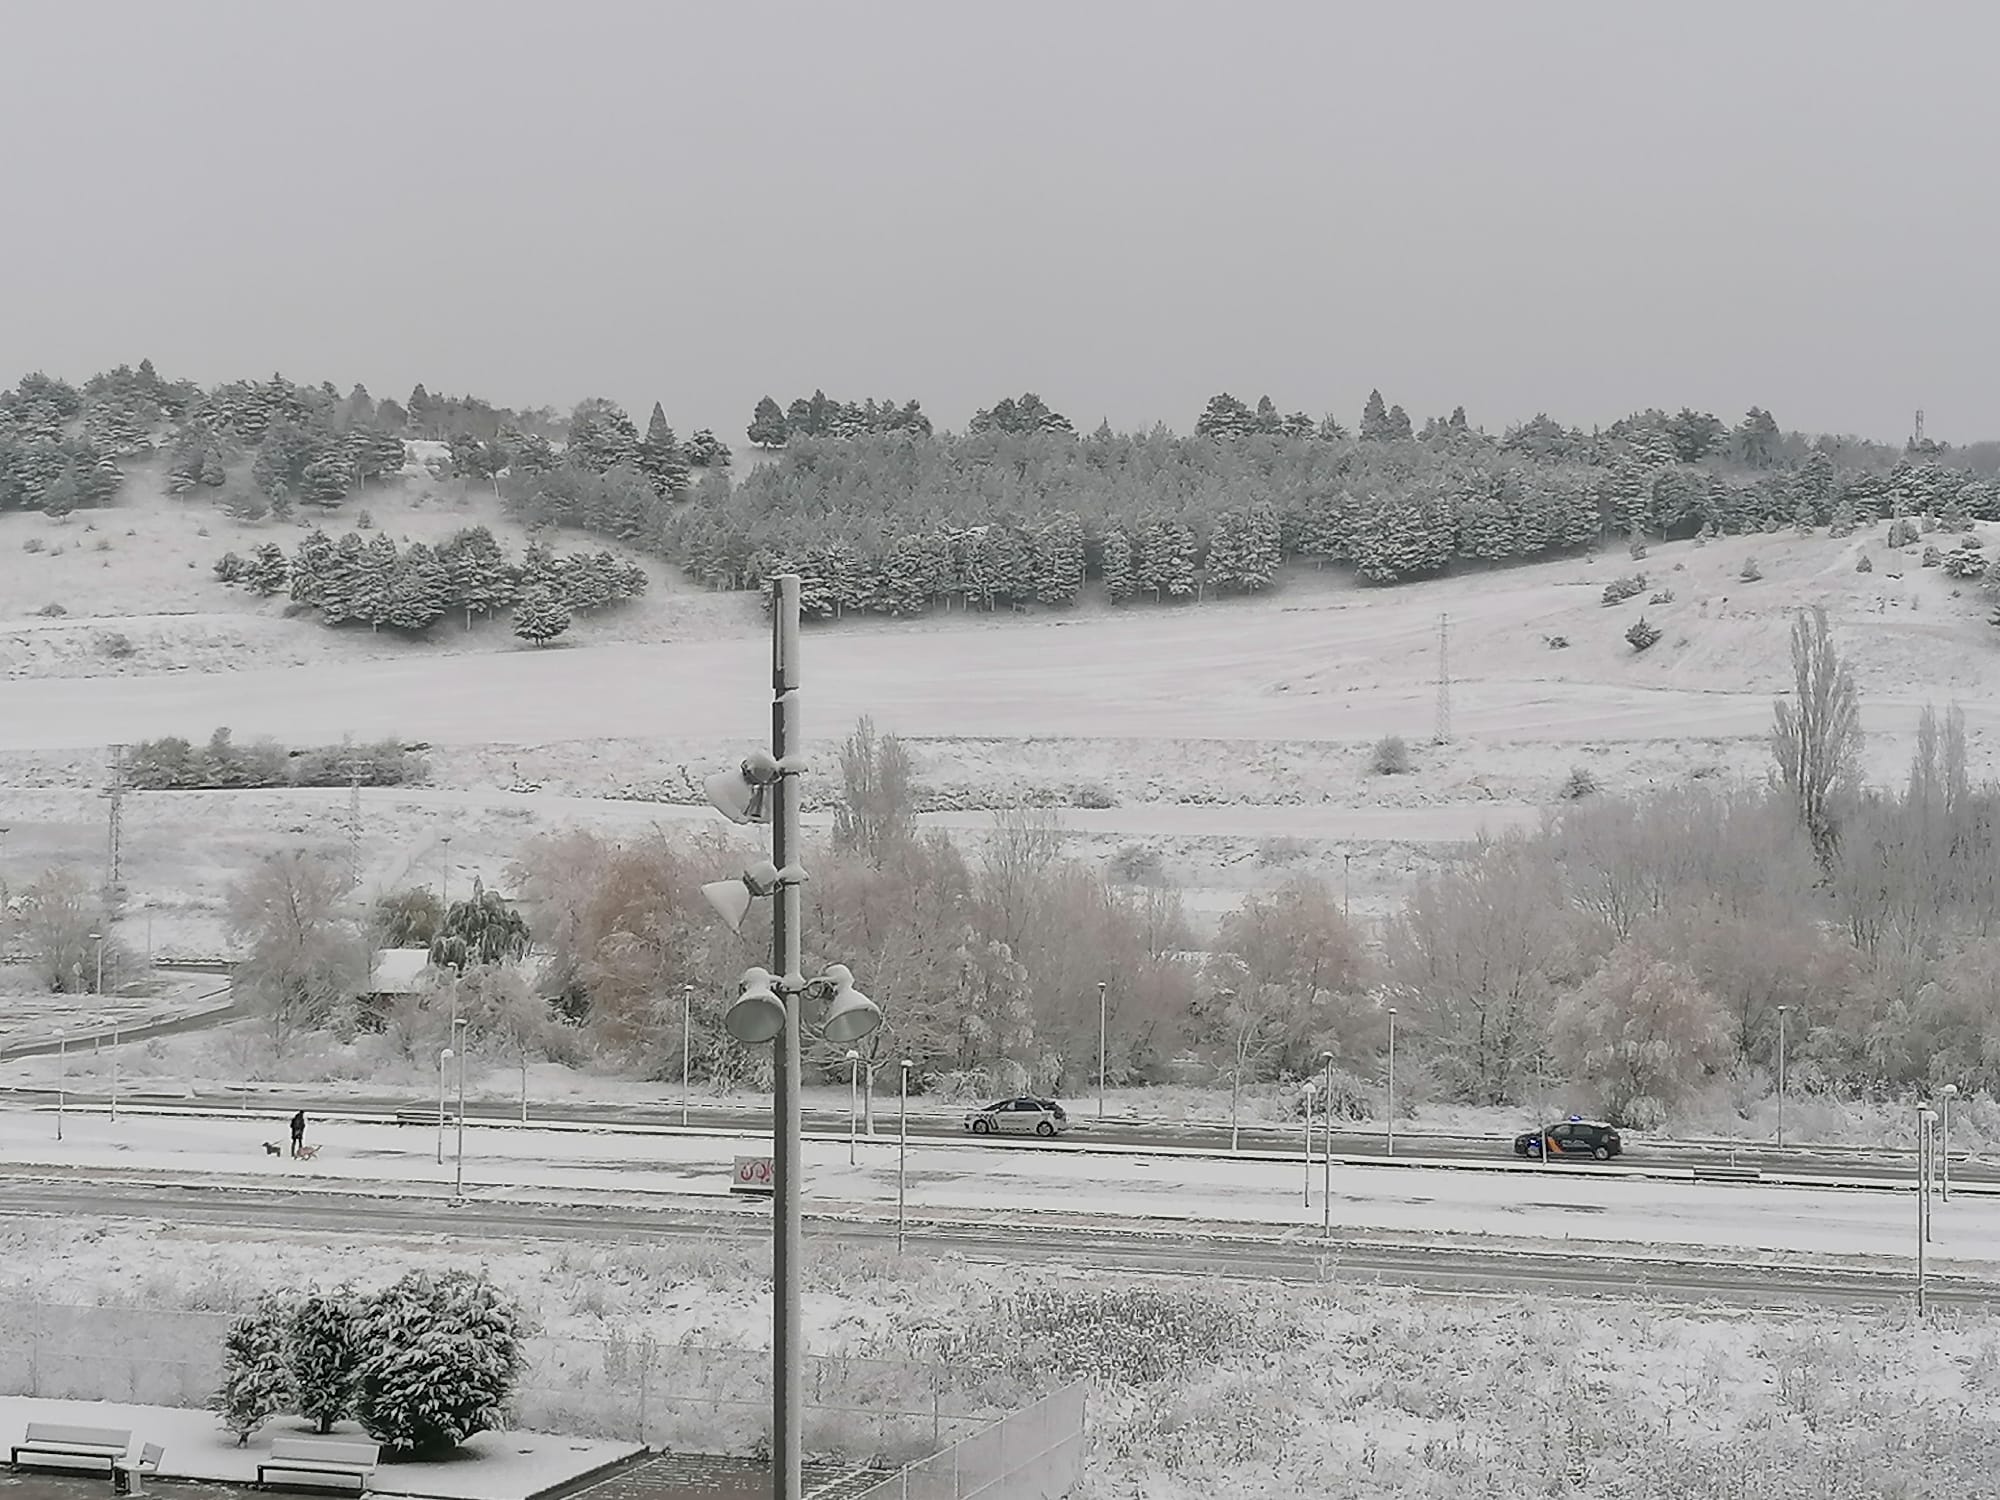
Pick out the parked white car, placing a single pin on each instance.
(1023, 1116)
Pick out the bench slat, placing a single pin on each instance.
(96, 1437)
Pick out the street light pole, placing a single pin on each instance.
(1781, 1075)
(114, 1068)
(1924, 1118)
(1308, 1091)
(458, 1175)
(62, 1076)
(444, 1058)
(687, 1032)
(1101, 1034)
(902, 1148)
(788, 1245)
(98, 938)
(1392, 1080)
(1326, 1162)
(1945, 1095)
(853, 1101)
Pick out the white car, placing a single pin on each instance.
(1023, 1116)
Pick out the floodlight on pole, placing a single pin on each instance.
(764, 788)
(731, 898)
(850, 1015)
(758, 1015)
(744, 794)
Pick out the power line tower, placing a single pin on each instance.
(1443, 733)
(1917, 439)
(115, 817)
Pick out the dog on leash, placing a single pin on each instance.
(307, 1153)
(273, 1150)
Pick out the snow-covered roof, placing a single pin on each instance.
(396, 970)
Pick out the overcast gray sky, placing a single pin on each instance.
(1578, 207)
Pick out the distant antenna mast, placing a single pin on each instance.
(1918, 440)
(115, 820)
(1443, 734)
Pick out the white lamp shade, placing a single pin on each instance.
(731, 900)
(850, 1017)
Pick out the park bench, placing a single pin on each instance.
(128, 1474)
(320, 1463)
(422, 1117)
(53, 1445)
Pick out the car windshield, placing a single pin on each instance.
(996, 1104)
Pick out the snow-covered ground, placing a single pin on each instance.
(489, 1466)
(1525, 1204)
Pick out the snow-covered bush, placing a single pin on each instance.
(439, 1359)
(257, 1379)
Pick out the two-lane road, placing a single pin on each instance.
(1801, 1162)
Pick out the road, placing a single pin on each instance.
(1794, 1162)
(1346, 1258)
(175, 1026)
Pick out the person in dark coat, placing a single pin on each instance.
(298, 1131)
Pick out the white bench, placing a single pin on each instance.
(128, 1474)
(320, 1463)
(53, 1445)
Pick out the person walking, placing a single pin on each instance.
(298, 1131)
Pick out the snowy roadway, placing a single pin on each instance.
(1161, 1193)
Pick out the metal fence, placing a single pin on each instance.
(635, 1389)
(1032, 1454)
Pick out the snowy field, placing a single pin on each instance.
(1524, 1204)
(1205, 1389)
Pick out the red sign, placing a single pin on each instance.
(753, 1175)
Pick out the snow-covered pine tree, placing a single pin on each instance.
(540, 616)
(1059, 559)
(325, 1356)
(312, 559)
(325, 480)
(1260, 547)
(902, 588)
(1222, 568)
(1177, 575)
(375, 582)
(767, 425)
(421, 591)
(1115, 564)
(660, 457)
(257, 1381)
(439, 1359)
(267, 572)
(1374, 418)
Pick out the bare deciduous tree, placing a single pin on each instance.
(1816, 736)
(60, 913)
(305, 955)
(877, 811)
(1643, 1031)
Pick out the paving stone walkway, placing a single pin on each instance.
(697, 1476)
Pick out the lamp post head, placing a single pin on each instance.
(851, 1015)
(907, 1065)
(97, 937)
(853, 1056)
(1949, 1091)
(758, 1014)
(447, 1055)
(744, 794)
(1310, 1088)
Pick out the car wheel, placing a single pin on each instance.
(1603, 1153)
(981, 1127)
(1045, 1128)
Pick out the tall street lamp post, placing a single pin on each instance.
(444, 1062)
(458, 1174)
(687, 1033)
(1309, 1090)
(1392, 1081)
(1945, 1095)
(62, 1076)
(902, 1147)
(853, 1101)
(1101, 1036)
(1781, 1075)
(1326, 1162)
(1925, 1119)
(765, 788)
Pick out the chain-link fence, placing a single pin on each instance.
(636, 1389)
(1032, 1454)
